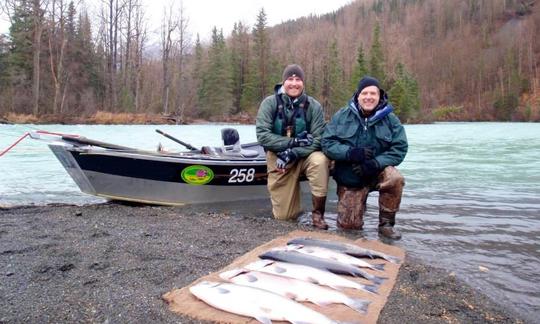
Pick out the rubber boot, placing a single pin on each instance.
(351, 207)
(387, 220)
(317, 215)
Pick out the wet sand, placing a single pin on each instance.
(112, 263)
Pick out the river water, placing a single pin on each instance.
(471, 203)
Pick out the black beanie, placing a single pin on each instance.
(293, 69)
(366, 82)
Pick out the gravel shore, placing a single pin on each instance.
(111, 263)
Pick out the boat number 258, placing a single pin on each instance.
(242, 175)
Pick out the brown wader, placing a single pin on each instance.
(352, 203)
(284, 187)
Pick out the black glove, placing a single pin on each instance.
(360, 154)
(284, 158)
(302, 139)
(367, 169)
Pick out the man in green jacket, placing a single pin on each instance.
(367, 141)
(289, 126)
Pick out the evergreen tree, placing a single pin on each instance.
(4, 51)
(84, 62)
(376, 60)
(404, 94)
(360, 69)
(240, 63)
(510, 89)
(19, 59)
(20, 55)
(312, 86)
(336, 96)
(259, 82)
(377, 6)
(217, 80)
(197, 75)
(70, 21)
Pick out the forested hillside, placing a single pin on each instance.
(440, 60)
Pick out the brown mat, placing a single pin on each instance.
(183, 302)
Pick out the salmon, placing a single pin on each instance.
(346, 248)
(320, 263)
(295, 289)
(260, 304)
(309, 274)
(332, 255)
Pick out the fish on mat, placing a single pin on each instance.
(320, 263)
(295, 289)
(331, 255)
(346, 248)
(260, 304)
(310, 274)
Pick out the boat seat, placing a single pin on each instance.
(209, 150)
(231, 144)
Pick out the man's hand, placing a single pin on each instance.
(360, 154)
(284, 158)
(369, 168)
(302, 139)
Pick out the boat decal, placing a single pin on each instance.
(197, 174)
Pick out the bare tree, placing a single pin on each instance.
(57, 46)
(181, 45)
(111, 14)
(168, 27)
(140, 40)
(37, 16)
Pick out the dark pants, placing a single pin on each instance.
(352, 201)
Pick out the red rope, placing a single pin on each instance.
(57, 134)
(12, 145)
(40, 132)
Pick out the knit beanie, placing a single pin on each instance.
(291, 70)
(366, 82)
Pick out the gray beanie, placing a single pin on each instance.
(291, 70)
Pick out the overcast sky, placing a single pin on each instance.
(204, 14)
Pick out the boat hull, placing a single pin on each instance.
(163, 179)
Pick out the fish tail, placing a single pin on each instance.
(377, 280)
(360, 255)
(379, 266)
(358, 305)
(370, 288)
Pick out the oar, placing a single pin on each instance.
(188, 146)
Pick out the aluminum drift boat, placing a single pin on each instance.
(231, 172)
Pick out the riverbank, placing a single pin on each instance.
(112, 263)
(109, 118)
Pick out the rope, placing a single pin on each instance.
(28, 133)
(13, 145)
(56, 134)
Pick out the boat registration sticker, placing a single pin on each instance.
(197, 174)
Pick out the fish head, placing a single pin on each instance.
(205, 288)
(239, 276)
(293, 247)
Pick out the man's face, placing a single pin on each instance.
(368, 98)
(294, 86)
